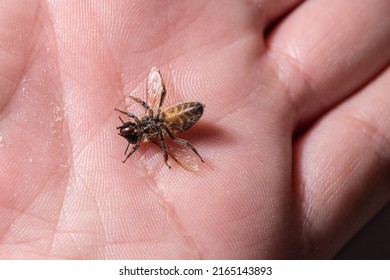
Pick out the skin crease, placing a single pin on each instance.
(295, 133)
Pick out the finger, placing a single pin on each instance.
(274, 9)
(343, 168)
(327, 50)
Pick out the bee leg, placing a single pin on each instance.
(127, 148)
(140, 101)
(143, 103)
(182, 141)
(135, 147)
(130, 115)
(164, 147)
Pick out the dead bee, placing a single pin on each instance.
(156, 124)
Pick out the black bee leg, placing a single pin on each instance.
(143, 103)
(123, 112)
(128, 145)
(164, 147)
(140, 101)
(130, 115)
(182, 141)
(135, 147)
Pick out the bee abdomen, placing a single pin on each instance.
(181, 117)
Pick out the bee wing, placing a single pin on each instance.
(156, 89)
(182, 154)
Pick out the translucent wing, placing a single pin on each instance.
(182, 154)
(156, 89)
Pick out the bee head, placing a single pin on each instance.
(129, 131)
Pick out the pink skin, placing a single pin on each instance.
(295, 134)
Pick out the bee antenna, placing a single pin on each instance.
(121, 120)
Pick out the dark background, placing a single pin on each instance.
(372, 242)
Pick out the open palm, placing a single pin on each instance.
(295, 133)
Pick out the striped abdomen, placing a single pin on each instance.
(182, 117)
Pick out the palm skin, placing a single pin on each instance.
(294, 135)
